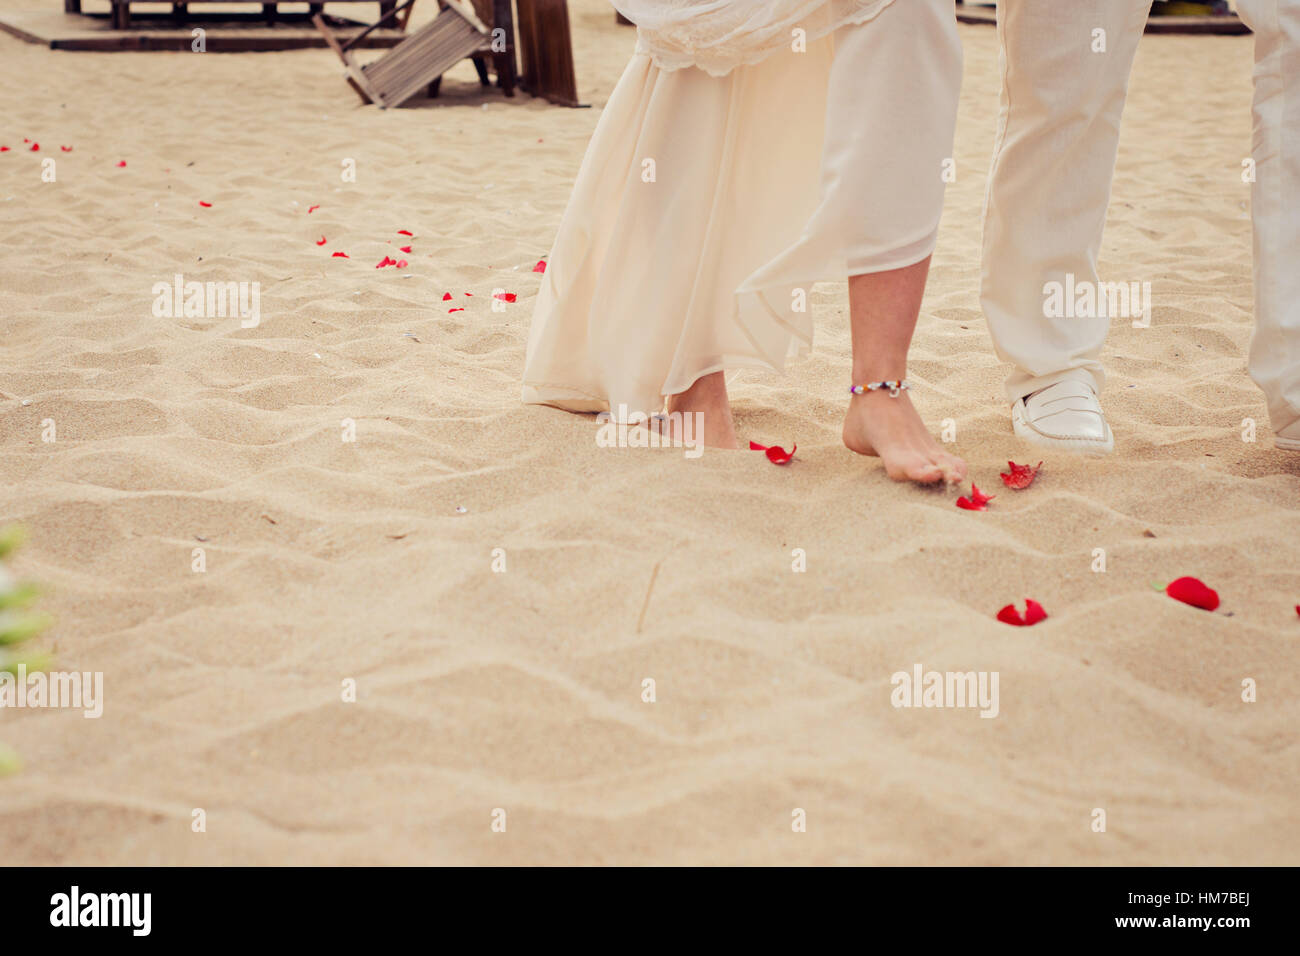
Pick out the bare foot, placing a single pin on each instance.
(707, 397)
(890, 429)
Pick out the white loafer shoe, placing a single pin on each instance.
(1066, 415)
(1288, 439)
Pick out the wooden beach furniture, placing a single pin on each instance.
(420, 60)
(546, 51)
(120, 14)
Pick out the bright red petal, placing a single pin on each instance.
(449, 311)
(978, 497)
(541, 266)
(205, 205)
(1009, 615)
(401, 263)
(1021, 476)
(321, 241)
(755, 446)
(506, 296)
(312, 209)
(66, 149)
(1034, 612)
(403, 232)
(779, 456)
(1194, 592)
(5, 149)
(340, 255)
(121, 164)
(36, 147)
(406, 249)
(965, 503)
(446, 297)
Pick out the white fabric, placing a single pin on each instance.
(719, 35)
(640, 296)
(1049, 186)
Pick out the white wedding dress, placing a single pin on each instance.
(750, 149)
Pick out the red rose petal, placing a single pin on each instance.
(340, 255)
(385, 262)
(505, 296)
(205, 205)
(1033, 614)
(312, 209)
(1194, 592)
(401, 264)
(446, 297)
(121, 164)
(36, 147)
(1021, 476)
(321, 241)
(449, 311)
(470, 294)
(406, 249)
(403, 232)
(66, 149)
(775, 454)
(978, 501)
(4, 149)
(541, 266)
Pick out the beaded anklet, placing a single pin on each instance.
(894, 387)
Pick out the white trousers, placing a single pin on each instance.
(1049, 185)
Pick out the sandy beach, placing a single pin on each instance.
(328, 560)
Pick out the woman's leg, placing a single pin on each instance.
(891, 118)
(883, 309)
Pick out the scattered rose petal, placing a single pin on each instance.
(312, 209)
(26, 140)
(775, 454)
(446, 297)
(541, 266)
(404, 232)
(321, 241)
(406, 249)
(205, 205)
(385, 262)
(66, 149)
(450, 311)
(1022, 476)
(978, 501)
(1033, 614)
(505, 296)
(36, 147)
(340, 255)
(470, 294)
(121, 164)
(4, 149)
(1194, 592)
(401, 263)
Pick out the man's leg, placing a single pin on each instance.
(1065, 69)
(1275, 209)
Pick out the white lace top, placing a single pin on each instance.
(719, 35)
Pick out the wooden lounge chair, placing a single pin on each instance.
(419, 60)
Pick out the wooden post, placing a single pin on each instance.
(71, 6)
(121, 16)
(503, 18)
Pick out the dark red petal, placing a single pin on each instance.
(1009, 615)
(1034, 612)
(541, 266)
(1194, 592)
